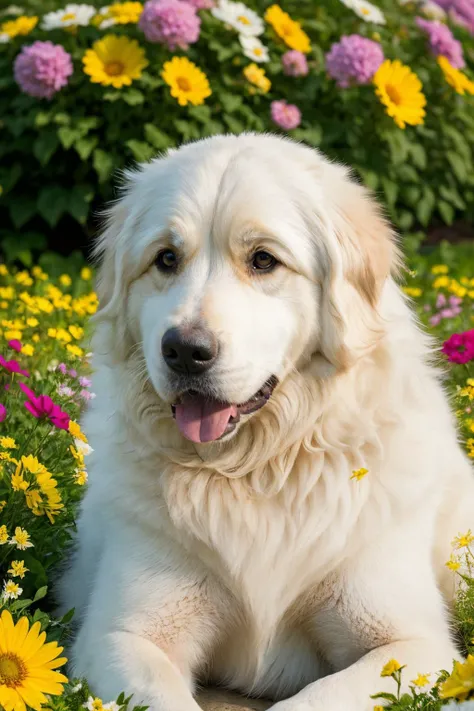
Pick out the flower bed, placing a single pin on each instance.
(87, 90)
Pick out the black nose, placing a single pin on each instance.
(189, 350)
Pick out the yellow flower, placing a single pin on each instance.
(13, 335)
(75, 350)
(441, 282)
(31, 464)
(453, 564)
(94, 704)
(379, 708)
(76, 432)
(3, 270)
(27, 665)
(10, 590)
(390, 668)
(27, 349)
(463, 540)
(461, 682)
(2, 505)
(289, 30)
(65, 280)
(86, 274)
(8, 443)
(3, 535)
(18, 482)
(24, 278)
(421, 680)
(38, 273)
(256, 75)
(455, 78)
(18, 569)
(359, 473)
(399, 89)
(76, 331)
(21, 539)
(32, 322)
(21, 26)
(412, 291)
(114, 61)
(188, 84)
(81, 477)
(121, 13)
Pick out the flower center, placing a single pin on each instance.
(68, 16)
(393, 94)
(257, 52)
(12, 670)
(244, 20)
(286, 29)
(113, 69)
(365, 11)
(183, 83)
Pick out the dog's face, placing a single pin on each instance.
(221, 264)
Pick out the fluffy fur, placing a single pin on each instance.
(256, 562)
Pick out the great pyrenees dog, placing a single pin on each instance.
(252, 350)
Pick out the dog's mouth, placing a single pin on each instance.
(204, 419)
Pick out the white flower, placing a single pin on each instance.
(11, 590)
(76, 688)
(65, 390)
(70, 16)
(108, 21)
(365, 10)
(111, 706)
(254, 49)
(433, 10)
(82, 447)
(240, 17)
(4, 38)
(13, 10)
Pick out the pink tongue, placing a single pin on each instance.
(203, 420)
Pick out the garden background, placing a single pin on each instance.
(88, 90)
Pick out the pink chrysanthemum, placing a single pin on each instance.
(461, 11)
(294, 64)
(442, 41)
(353, 60)
(286, 116)
(460, 347)
(201, 4)
(42, 69)
(174, 23)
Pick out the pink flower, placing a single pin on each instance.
(460, 347)
(201, 4)
(435, 320)
(86, 395)
(15, 345)
(353, 60)
(450, 313)
(13, 367)
(3, 412)
(461, 11)
(43, 406)
(62, 368)
(440, 301)
(85, 382)
(455, 300)
(286, 116)
(173, 23)
(294, 64)
(42, 69)
(65, 390)
(73, 373)
(442, 41)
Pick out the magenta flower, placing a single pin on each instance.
(442, 41)
(3, 412)
(294, 64)
(461, 11)
(13, 367)
(15, 345)
(286, 116)
(62, 367)
(460, 347)
(353, 60)
(43, 406)
(174, 23)
(42, 69)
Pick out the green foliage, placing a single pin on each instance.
(58, 157)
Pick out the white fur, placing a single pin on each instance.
(256, 562)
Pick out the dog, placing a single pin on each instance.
(252, 351)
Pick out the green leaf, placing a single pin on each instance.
(85, 146)
(157, 138)
(457, 164)
(234, 124)
(187, 129)
(21, 209)
(142, 151)
(133, 97)
(425, 206)
(390, 189)
(446, 211)
(200, 113)
(103, 164)
(230, 102)
(451, 195)
(78, 204)
(418, 155)
(40, 594)
(42, 118)
(10, 177)
(313, 136)
(66, 619)
(52, 203)
(411, 195)
(408, 174)
(20, 605)
(68, 135)
(384, 695)
(45, 146)
(405, 220)
(62, 119)
(112, 96)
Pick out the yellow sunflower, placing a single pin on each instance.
(400, 90)
(256, 76)
(27, 665)
(114, 61)
(21, 26)
(289, 30)
(459, 81)
(187, 82)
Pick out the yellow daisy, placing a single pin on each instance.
(119, 13)
(390, 668)
(463, 540)
(455, 78)
(18, 569)
(189, 85)
(256, 76)
(114, 61)
(21, 26)
(461, 682)
(453, 564)
(8, 443)
(289, 30)
(400, 90)
(27, 665)
(421, 680)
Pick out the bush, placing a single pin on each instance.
(59, 154)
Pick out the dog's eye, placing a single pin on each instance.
(263, 261)
(166, 260)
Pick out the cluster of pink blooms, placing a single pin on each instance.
(174, 23)
(42, 69)
(201, 4)
(284, 115)
(353, 60)
(442, 41)
(294, 64)
(66, 390)
(460, 347)
(447, 308)
(461, 11)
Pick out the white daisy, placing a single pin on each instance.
(70, 16)
(107, 21)
(254, 49)
(77, 688)
(433, 10)
(11, 590)
(4, 38)
(82, 447)
(240, 17)
(111, 706)
(365, 10)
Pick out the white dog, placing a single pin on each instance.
(252, 350)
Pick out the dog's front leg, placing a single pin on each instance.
(386, 605)
(150, 622)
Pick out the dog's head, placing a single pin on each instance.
(233, 262)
